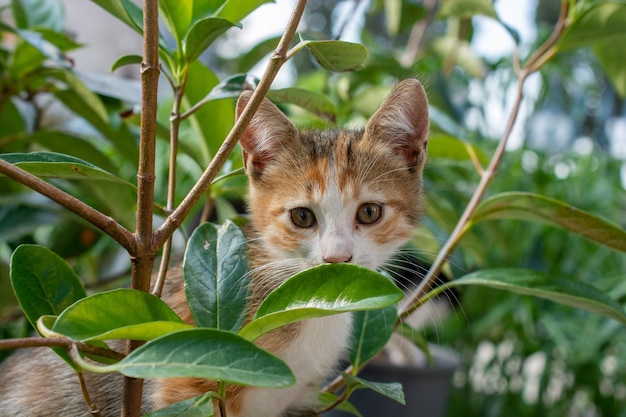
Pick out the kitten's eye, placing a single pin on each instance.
(369, 213)
(302, 217)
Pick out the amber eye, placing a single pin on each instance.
(302, 217)
(369, 213)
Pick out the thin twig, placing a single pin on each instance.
(93, 408)
(278, 58)
(62, 342)
(532, 65)
(105, 223)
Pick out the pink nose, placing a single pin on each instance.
(338, 259)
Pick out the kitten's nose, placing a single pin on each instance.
(337, 259)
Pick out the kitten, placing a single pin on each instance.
(315, 197)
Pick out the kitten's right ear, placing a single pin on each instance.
(266, 134)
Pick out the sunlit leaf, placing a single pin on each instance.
(600, 22)
(544, 210)
(206, 353)
(39, 13)
(202, 34)
(215, 267)
(321, 291)
(236, 10)
(466, 9)
(98, 316)
(337, 56)
(177, 17)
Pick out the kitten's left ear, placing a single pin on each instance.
(402, 122)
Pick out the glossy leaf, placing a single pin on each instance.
(599, 22)
(124, 10)
(200, 406)
(391, 390)
(527, 282)
(55, 165)
(202, 34)
(177, 17)
(126, 60)
(337, 56)
(466, 9)
(371, 331)
(321, 291)
(236, 10)
(206, 353)
(215, 268)
(314, 102)
(44, 284)
(122, 313)
(540, 209)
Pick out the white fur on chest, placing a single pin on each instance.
(312, 356)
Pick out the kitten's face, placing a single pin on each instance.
(338, 196)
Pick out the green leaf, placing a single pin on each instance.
(124, 10)
(613, 61)
(540, 209)
(236, 10)
(337, 56)
(418, 340)
(466, 9)
(202, 34)
(39, 13)
(208, 136)
(200, 406)
(55, 165)
(43, 283)
(126, 60)
(371, 331)
(314, 102)
(215, 268)
(393, 16)
(321, 291)
(391, 390)
(206, 353)
(249, 59)
(526, 282)
(177, 17)
(121, 313)
(600, 22)
(450, 147)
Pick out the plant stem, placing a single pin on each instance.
(143, 259)
(93, 409)
(62, 342)
(545, 52)
(105, 223)
(278, 58)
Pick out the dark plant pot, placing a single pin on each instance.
(426, 389)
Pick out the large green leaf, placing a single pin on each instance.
(215, 267)
(44, 284)
(613, 61)
(124, 10)
(337, 56)
(527, 282)
(321, 291)
(206, 353)
(56, 165)
(39, 13)
(122, 313)
(314, 102)
(202, 34)
(600, 21)
(236, 10)
(177, 17)
(371, 331)
(540, 209)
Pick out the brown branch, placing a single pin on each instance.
(278, 58)
(62, 342)
(105, 223)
